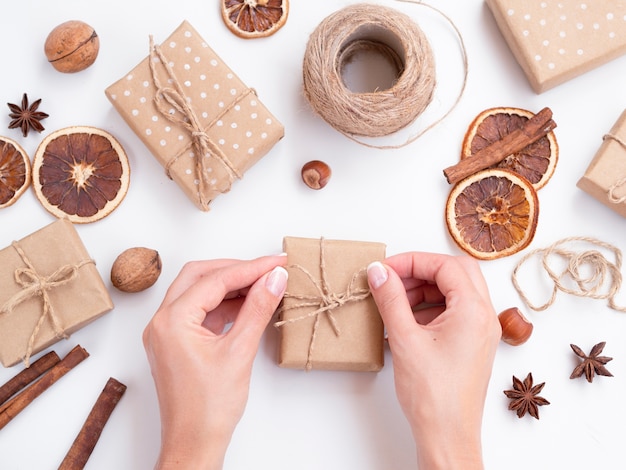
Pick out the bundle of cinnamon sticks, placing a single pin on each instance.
(27, 385)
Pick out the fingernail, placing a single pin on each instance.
(376, 274)
(276, 282)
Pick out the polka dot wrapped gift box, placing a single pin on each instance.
(200, 121)
(555, 41)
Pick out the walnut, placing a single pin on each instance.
(136, 269)
(72, 46)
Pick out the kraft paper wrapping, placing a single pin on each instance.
(358, 344)
(554, 42)
(75, 290)
(223, 115)
(605, 177)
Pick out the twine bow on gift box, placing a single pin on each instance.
(621, 182)
(34, 284)
(325, 300)
(168, 98)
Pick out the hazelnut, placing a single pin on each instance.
(136, 269)
(72, 46)
(316, 174)
(516, 328)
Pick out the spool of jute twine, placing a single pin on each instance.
(391, 34)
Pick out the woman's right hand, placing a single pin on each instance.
(442, 352)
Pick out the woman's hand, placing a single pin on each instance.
(202, 373)
(442, 352)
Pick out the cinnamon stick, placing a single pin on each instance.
(534, 129)
(87, 438)
(28, 375)
(12, 407)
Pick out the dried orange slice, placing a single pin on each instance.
(536, 162)
(81, 173)
(254, 18)
(492, 213)
(14, 171)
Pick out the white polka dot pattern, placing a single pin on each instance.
(555, 41)
(232, 116)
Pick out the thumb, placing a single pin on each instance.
(259, 306)
(391, 298)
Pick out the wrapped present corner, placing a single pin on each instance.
(328, 319)
(49, 288)
(605, 177)
(554, 42)
(197, 118)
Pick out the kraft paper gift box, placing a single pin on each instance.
(193, 113)
(555, 41)
(605, 177)
(49, 288)
(328, 319)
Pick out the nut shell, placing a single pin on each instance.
(516, 328)
(72, 46)
(136, 269)
(316, 174)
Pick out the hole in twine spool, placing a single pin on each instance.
(369, 71)
(372, 61)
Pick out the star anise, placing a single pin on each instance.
(591, 364)
(525, 397)
(26, 117)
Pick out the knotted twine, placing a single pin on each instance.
(326, 301)
(603, 280)
(173, 97)
(34, 284)
(363, 27)
(620, 182)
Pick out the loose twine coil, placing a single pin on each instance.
(602, 281)
(366, 27)
(621, 182)
(34, 284)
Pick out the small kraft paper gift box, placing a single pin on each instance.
(49, 288)
(555, 41)
(605, 177)
(328, 318)
(197, 118)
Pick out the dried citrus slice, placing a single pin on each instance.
(254, 18)
(14, 171)
(536, 162)
(81, 173)
(492, 213)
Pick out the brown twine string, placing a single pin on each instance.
(34, 284)
(620, 182)
(594, 285)
(200, 140)
(384, 112)
(326, 301)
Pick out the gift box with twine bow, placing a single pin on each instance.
(605, 177)
(49, 288)
(328, 318)
(555, 41)
(197, 118)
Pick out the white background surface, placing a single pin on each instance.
(319, 420)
